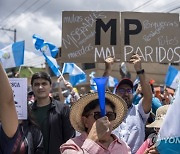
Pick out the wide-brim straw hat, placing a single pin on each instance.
(160, 115)
(78, 108)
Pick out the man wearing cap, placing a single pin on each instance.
(132, 129)
(51, 115)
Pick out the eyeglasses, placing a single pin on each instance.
(123, 91)
(111, 115)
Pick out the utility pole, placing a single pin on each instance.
(11, 30)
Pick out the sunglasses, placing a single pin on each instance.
(123, 91)
(111, 115)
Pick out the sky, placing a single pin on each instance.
(43, 17)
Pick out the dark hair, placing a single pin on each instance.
(93, 104)
(42, 75)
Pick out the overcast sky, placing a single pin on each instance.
(43, 17)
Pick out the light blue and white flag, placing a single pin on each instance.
(112, 82)
(12, 55)
(76, 74)
(92, 82)
(172, 77)
(169, 134)
(49, 52)
(40, 44)
(136, 81)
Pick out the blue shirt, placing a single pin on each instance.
(132, 129)
(6, 143)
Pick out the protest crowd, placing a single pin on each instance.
(131, 117)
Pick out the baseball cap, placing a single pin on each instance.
(126, 81)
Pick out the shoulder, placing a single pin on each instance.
(7, 143)
(59, 106)
(124, 147)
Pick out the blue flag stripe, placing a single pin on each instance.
(18, 52)
(52, 66)
(171, 74)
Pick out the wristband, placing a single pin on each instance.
(140, 72)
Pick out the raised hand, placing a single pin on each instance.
(100, 130)
(136, 60)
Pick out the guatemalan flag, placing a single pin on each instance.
(112, 82)
(92, 82)
(12, 55)
(49, 52)
(172, 77)
(169, 134)
(76, 75)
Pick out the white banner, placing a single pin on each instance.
(19, 87)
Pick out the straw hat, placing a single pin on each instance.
(160, 115)
(78, 108)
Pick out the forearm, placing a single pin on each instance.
(107, 73)
(8, 113)
(147, 93)
(6, 95)
(61, 97)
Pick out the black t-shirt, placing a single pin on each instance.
(41, 115)
(6, 143)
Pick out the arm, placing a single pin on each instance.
(67, 129)
(146, 90)
(8, 113)
(61, 97)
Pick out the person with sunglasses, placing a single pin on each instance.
(95, 129)
(132, 129)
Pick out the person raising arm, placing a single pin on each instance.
(8, 115)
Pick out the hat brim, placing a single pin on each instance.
(125, 81)
(78, 108)
(155, 124)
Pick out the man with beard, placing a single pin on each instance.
(132, 129)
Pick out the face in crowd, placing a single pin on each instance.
(126, 93)
(41, 85)
(92, 113)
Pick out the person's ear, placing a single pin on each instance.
(84, 120)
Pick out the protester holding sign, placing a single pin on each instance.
(51, 115)
(8, 115)
(132, 129)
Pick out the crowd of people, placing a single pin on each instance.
(73, 123)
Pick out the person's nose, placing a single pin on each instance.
(126, 92)
(40, 86)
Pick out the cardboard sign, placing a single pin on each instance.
(90, 36)
(19, 87)
(154, 36)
